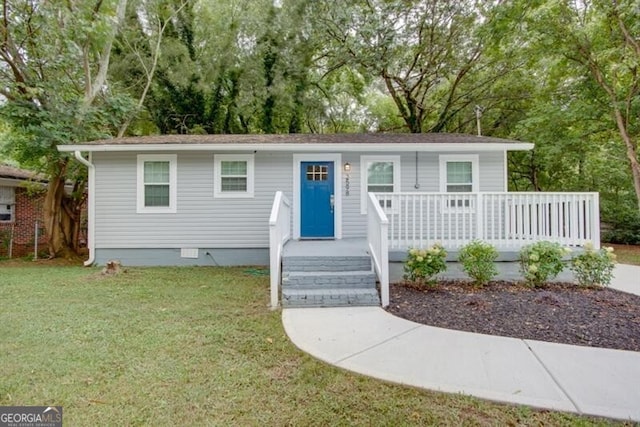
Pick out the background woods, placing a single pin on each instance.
(562, 74)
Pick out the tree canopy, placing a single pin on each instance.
(560, 73)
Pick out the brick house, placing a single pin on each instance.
(21, 206)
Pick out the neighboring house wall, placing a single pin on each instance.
(27, 210)
(232, 230)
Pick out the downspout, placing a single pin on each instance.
(90, 208)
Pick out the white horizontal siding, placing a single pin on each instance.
(201, 220)
(428, 180)
(207, 222)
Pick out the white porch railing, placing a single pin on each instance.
(506, 220)
(377, 241)
(279, 234)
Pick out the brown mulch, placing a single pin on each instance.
(559, 312)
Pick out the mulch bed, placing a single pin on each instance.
(559, 312)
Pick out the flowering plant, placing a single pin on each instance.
(593, 268)
(478, 261)
(541, 262)
(423, 264)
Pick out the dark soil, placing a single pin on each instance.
(559, 312)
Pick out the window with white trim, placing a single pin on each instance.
(7, 204)
(380, 174)
(233, 175)
(459, 174)
(157, 183)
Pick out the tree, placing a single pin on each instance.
(54, 64)
(600, 42)
(422, 50)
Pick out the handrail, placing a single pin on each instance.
(279, 234)
(508, 220)
(378, 243)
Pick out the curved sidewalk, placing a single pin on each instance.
(370, 341)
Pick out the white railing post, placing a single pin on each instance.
(378, 243)
(595, 220)
(279, 234)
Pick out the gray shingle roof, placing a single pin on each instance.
(11, 172)
(350, 138)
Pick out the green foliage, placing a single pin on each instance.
(583, 113)
(427, 64)
(594, 268)
(541, 262)
(422, 265)
(478, 261)
(625, 226)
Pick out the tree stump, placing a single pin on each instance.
(112, 268)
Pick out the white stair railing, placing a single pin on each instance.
(378, 243)
(279, 234)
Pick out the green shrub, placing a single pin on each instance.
(594, 268)
(623, 225)
(423, 264)
(478, 261)
(541, 262)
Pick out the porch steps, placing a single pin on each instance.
(327, 263)
(324, 279)
(315, 276)
(330, 297)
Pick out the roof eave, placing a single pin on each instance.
(296, 147)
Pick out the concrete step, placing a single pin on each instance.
(293, 297)
(326, 263)
(329, 279)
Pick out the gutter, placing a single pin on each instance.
(90, 208)
(303, 147)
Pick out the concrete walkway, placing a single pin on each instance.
(370, 341)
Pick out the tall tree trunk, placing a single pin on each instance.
(57, 239)
(63, 214)
(632, 152)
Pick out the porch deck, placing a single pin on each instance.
(399, 221)
(325, 248)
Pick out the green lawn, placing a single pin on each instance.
(192, 346)
(627, 254)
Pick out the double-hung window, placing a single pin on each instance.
(380, 174)
(7, 204)
(233, 175)
(157, 183)
(459, 174)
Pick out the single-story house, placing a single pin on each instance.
(237, 199)
(21, 211)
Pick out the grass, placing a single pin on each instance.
(193, 346)
(627, 254)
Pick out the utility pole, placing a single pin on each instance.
(478, 109)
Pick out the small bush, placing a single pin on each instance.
(594, 268)
(623, 226)
(541, 262)
(478, 261)
(423, 264)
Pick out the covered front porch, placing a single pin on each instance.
(399, 221)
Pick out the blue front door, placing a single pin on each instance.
(316, 200)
